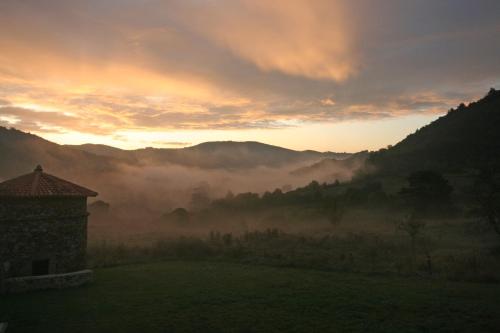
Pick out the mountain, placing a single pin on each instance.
(153, 180)
(20, 152)
(329, 169)
(465, 138)
(121, 155)
(219, 154)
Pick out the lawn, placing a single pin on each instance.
(219, 297)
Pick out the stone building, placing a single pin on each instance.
(43, 232)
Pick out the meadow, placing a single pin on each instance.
(365, 241)
(201, 296)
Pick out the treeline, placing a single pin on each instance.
(312, 194)
(425, 194)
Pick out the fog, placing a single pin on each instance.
(140, 195)
(160, 188)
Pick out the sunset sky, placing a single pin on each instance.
(303, 74)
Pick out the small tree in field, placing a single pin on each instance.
(334, 212)
(413, 227)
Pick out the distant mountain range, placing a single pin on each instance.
(21, 151)
(218, 154)
(153, 179)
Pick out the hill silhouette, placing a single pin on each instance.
(218, 154)
(465, 138)
(153, 178)
(21, 151)
(329, 169)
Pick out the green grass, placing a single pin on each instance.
(220, 297)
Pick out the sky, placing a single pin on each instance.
(303, 74)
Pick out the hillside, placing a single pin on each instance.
(152, 179)
(219, 154)
(21, 151)
(329, 169)
(466, 137)
(104, 150)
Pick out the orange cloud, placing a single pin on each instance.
(302, 38)
(95, 68)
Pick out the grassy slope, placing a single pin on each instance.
(216, 297)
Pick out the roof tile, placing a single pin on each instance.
(41, 184)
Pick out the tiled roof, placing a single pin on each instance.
(41, 184)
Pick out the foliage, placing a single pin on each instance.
(334, 212)
(487, 198)
(428, 192)
(412, 226)
(467, 137)
(329, 200)
(179, 216)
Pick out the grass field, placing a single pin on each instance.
(219, 297)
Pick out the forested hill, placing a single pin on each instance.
(218, 154)
(466, 137)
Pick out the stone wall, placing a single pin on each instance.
(53, 229)
(20, 209)
(56, 281)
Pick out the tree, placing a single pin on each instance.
(3, 275)
(272, 198)
(413, 227)
(428, 192)
(487, 198)
(178, 215)
(200, 198)
(99, 208)
(334, 212)
(229, 195)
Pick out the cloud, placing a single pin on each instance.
(172, 143)
(41, 121)
(300, 38)
(99, 67)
